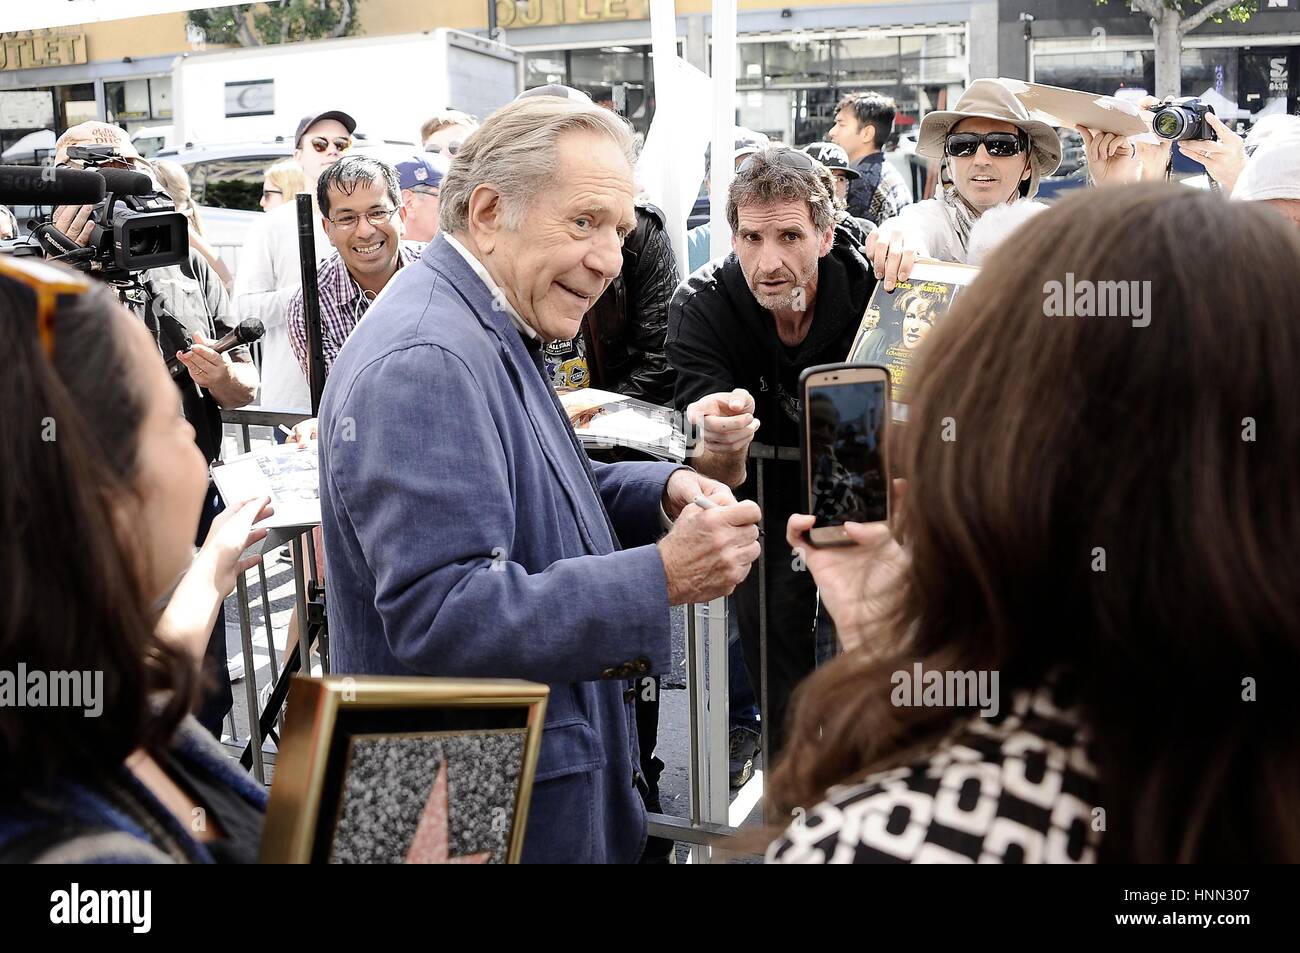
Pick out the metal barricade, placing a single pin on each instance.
(709, 826)
(303, 568)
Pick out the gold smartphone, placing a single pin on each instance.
(844, 435)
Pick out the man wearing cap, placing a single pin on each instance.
(835, 163)
(419, 178)
(863, 124)
(269, 274)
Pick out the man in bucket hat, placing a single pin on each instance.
(994, 154)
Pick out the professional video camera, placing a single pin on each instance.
(135, 225)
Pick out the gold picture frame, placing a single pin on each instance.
(338, 728)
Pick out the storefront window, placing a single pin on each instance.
(133, 103)
(1239, 83)
(618, 77)
(797, 61)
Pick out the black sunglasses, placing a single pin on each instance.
(790, 158)
(1000, 145)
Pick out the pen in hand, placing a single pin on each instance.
(704, 503)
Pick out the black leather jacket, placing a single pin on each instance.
(625, 328)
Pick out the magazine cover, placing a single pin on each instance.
(603, 419)
(288, 474)
(895, 323)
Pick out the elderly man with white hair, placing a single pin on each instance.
(466, 532)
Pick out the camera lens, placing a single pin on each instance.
(1169, 123)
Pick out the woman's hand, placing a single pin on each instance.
(855, 582)
(1223, 158)
(192, 609)
(230, 535)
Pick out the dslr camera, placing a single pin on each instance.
(136, 228)
(1183, 119)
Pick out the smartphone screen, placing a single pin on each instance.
(846, 448)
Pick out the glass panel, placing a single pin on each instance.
(797, 61)
(617, 77)
(541, 69)
(126, 100)
(160, 92)
(75, 104)
(1097, 71)
(867, 60)
(749, 65)
(230, 183)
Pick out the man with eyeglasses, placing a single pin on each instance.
(361, 209)
(269, 276)
(741, 329)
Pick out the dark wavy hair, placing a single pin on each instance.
(1171, 448)
(73, 588)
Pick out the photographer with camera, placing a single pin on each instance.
(185, 307)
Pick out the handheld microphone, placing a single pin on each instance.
(32, 185)
(247, 332)
(126, 182)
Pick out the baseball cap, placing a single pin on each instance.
(307, 122)
(96, 133)
(423, 168)
(833, 157)
(556, 89)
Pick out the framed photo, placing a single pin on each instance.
(896, 322)
(390, 770)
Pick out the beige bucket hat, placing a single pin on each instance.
(993, 99)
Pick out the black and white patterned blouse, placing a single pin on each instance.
(1016, 789)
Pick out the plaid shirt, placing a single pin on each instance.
(880, 193)
(342, 306)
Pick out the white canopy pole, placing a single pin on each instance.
(722, 171)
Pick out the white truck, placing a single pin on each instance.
(390, 85)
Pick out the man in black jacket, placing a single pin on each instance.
(740, 331)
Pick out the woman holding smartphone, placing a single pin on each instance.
(100, 493)
(1074, 643)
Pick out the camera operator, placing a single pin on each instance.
(174, 301)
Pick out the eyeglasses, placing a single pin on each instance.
(1000, 145)
(321, 144)
(790, 158)
(375, 217)
(450, 148)
(48, 284)
(267, 193)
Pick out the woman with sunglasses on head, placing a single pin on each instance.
(1105, 556)
(101, 493)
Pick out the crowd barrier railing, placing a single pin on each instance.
(708, 827)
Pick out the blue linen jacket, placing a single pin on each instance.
(467, 534)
